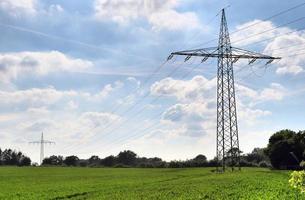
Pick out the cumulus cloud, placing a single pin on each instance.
(183, 90)
(77, 127)
(38, 125)
(28, 8)
(72, 105)
(192, 119)
(134, 80)
(275, 92)
(13, 65)
(97, 119)
(18, 8)
(34, 97)
(250, 115)
(291, 64)
(37, 99)
(159, 13)
(195, 110)
(250, 32)
(107, 90)
(277, 41)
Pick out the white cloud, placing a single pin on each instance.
(77, 129)
(13, 65)
(159, 13)
(72, 105)
(278, 42)
(192, 112)
(97, 119)
(107, 90)
(187, 90)
(18, 8)
(55, 9)
(35, 97)
(286, 46)
(275, 92)
(193, 119)
(134, 80)
(249, 115)
(38, 126)
(38, 99)
(258, 30)
(195, 112)
(39, 111)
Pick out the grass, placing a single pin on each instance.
(106, 183)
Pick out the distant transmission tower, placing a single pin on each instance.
(227, 141)
(42, 142)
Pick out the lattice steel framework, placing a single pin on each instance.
(227, 142)
(42, 142)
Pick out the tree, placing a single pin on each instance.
(285, 149)
(198, 161)
(256, 156)
(25, 161)
(53, 160)
(12, 157)
(108, 161)
(71, 160)
(127, 157)
(94, 160)
(6, 156)
(200, 158)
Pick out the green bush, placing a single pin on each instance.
(297, 180)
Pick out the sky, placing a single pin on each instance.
(92, 75)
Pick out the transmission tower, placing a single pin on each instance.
(227, 142)
(42, 142)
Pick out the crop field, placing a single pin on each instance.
(130, 183)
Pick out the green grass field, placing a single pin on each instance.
(103, 183)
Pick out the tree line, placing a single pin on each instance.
(128, 158)
(285, 150)
(12, 157)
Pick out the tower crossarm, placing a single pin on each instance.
(48, 142)
(44, 141)
(35, 142)
(235, 54)
(242, 53)
(205, 52)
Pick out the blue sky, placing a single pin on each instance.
(84, 73)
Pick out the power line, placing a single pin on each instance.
(278, 27)
(46, 35)
(175, 118)
(131, 107)
(264, 40)
(153, 101)
(253, 35)
(184, 76)
(157, 124)
(159, 114)
(147, 95)
(265, 19)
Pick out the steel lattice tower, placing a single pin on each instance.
(227, 141)
(227, 130)
(42, 142)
